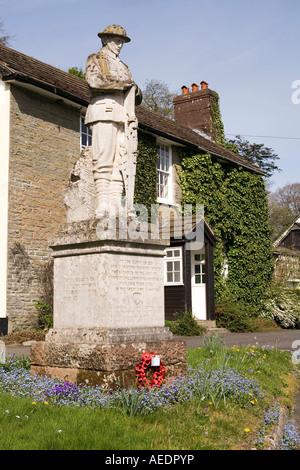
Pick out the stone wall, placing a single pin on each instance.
(44, 145)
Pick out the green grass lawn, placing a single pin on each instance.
(205, 422)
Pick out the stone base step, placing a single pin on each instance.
(210, 325)
(207, 323)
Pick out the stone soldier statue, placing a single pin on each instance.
(111, 117)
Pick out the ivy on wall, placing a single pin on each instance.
(145, 180)
(217, 123)
(235, 206)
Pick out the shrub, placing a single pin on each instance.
(235, 316)
(185, 325)
(45, 314)
(282, 305)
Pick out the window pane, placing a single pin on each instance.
(204, 279)
(163, 164)
(197, 268)
(176, 265)
(197, 257)
(197, 279)
(83, 140)
(85, 135)
(173, 266)
(169, 266)
(165, 183)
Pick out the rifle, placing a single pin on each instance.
(128, 166)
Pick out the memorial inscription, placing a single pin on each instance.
(111, 289)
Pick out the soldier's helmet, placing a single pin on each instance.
(114, 30)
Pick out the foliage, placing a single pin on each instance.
(257, 154)
(78, 72)
(130, 401)
(212, 342)
(16, 363)
(5, 39)
(282, 305)
(291, 437)
(157, 96)
(218, 127)
(45, 314)
(145, 179)
(235, 206)
(219, 405)
(21, 336)
(234, 316)
(284, 205)
(185, 325)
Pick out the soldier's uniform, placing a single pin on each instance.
(108, 78)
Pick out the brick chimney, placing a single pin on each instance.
(193, 109)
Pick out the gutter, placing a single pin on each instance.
(17, 77)
(198, 147)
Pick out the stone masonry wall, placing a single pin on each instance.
(44, 145)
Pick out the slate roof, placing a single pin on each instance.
(181, 228)
(17, 66)
(295, 225)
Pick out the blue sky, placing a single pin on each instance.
(248, 51)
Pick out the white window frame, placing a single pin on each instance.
(172, 259)
(84, 131)
(199, 273)
(165, 172)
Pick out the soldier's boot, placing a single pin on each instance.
(116, 191)
(102, 197)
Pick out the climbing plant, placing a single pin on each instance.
(235, 206)
(217, 123)
(145, 180)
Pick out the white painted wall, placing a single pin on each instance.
(4, 166)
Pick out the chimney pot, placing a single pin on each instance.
(194, 110)
(195, 87)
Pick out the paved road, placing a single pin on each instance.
(282, 339)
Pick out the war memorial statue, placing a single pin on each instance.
(111, 118)
(108, 290)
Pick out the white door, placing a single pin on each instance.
(198, 275)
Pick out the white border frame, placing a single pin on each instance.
(4, 175)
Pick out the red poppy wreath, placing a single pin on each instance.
(141, 369)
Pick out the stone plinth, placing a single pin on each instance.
(108, 305)
(104, 364)
(104, 281)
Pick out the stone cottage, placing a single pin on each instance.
(287, 255)
(42, 133)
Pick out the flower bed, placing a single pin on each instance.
(214, 385)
